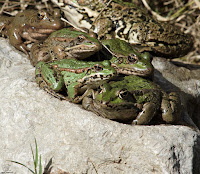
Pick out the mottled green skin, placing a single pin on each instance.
(127, 60)
(135, 99)
(133, 84)
(73, 75)
(63, 44)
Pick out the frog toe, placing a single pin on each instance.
(147, 113)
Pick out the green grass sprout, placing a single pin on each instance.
(35, 160)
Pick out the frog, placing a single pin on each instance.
(126, 21)
(30, 26)
(65, 43)
(126, 59)
(134, 100)
(73, 76)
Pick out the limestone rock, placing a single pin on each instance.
(78, 140)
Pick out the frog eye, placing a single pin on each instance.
(98, 67)
(81, 38)
(132, 58)
(41, 15)
(123, 93)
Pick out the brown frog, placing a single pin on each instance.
(125, 21)
(29, 26)
(64, 44)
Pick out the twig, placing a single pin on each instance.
(6, 3)
(73, 25)
(172, 17)
(159, 17)
(197, 2)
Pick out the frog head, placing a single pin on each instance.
(93, 76)
(126, 60)
(43, 19)
(115, 103)
(96, 73)
(78, 44)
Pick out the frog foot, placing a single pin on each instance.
(171, 107)
(147, 113)
(55, 94)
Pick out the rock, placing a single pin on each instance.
(183, 76)
(78, 141)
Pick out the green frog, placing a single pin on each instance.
(133, 99)
(30, 26)
(124, 20)
(127, 60)
(75, 76)
(65, 43)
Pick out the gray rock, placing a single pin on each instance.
(176, 75)
(78, 140)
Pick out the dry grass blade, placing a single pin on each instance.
(4, 5)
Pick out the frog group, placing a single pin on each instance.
(110, 87)
(126, 21)
(105, 73)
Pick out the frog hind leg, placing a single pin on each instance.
(171, 107)
(147, 113)
(42, 84)
(55, 94)
(88, 99)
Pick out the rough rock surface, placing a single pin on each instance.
(77, 140)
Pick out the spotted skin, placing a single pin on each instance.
(123, 20)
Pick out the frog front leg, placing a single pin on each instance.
(88, 102)
(144, 117)
(16, 40)
(171, 107)
(77, 92)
